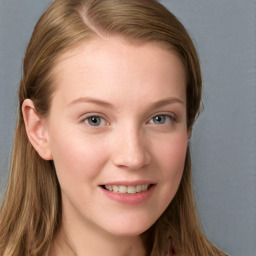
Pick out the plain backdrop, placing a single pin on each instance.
(223, 143)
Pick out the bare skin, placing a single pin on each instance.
(117, 134)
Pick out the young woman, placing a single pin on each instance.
(100, 162)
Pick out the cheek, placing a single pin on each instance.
(173, 153)
(171, 158)
(76, 156)
(170, 154)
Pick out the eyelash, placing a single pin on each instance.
(167, 119)
(170, 119)
(91, 117)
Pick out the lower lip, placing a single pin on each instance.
(130, 199)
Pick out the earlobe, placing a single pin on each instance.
(36, 130)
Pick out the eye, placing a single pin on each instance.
(161, 119)
(95, 121)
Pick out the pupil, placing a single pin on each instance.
(159, 119)
(94, 120)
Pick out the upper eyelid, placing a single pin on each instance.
(171, 115)
(85, 121)
(92, 114)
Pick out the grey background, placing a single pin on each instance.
(224, 140)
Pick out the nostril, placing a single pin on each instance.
(133, 162)
(130, 150)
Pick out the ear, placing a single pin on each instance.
(36, 129)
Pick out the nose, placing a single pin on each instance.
(131, 150)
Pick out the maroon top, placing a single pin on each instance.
(171, 250)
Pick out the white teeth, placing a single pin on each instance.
(138, 188)
(144, 187)
(131, 190)
(122, 189)
(108, 187)
(115, 188)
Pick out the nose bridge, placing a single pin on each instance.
(131, 151)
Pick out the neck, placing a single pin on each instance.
(76, 240)
(65, 246)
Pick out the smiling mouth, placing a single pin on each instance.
(122, 189)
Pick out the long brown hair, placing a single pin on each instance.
(31, 211)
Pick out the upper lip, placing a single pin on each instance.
(129, 183)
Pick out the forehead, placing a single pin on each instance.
(116, 46)
(115, 63)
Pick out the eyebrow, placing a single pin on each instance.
(166, 101)
(91, 100)
(103, 103)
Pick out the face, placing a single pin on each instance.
(118, 133)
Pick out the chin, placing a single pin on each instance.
(129, 229)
